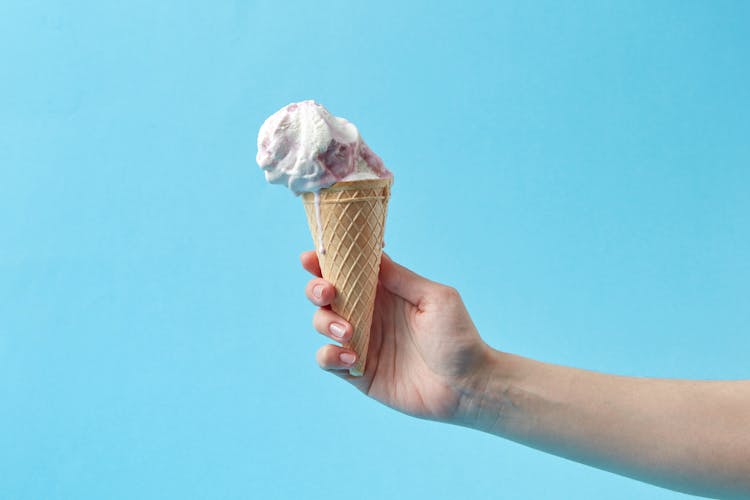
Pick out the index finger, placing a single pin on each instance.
(310, 263)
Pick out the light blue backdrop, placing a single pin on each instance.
(580, 171)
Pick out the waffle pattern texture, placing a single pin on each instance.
(352, 219)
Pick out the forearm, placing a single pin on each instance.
(692, 436)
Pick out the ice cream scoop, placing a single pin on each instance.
(304, 147)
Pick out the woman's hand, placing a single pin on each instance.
(424, 349)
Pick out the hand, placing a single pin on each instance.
(424, 349)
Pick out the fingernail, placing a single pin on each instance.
(347, 358)
(318, 291)
(337, 330)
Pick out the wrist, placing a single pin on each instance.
(485, 396)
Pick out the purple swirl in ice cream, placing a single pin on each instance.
(306, 148)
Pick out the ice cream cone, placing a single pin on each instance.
(347, 223)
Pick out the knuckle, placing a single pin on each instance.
(321, 356)
(318, 318)
(449, 294)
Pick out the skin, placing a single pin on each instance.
(426, 359)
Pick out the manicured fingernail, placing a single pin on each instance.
(318, 291)
(347, 358)
(337, 330)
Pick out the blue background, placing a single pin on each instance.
(579, 171)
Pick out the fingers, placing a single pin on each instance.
(310, 263)
(403, 282)
(320, 292)
(332, 357)
(332, 325)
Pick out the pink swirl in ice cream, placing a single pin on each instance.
(306, 148)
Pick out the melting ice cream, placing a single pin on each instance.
(306, 148)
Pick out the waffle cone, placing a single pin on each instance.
(348, 238)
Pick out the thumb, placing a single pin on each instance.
(402, 281)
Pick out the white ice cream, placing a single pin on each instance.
(306, 148)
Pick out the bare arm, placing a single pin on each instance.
(691, 436)
(427, 359)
